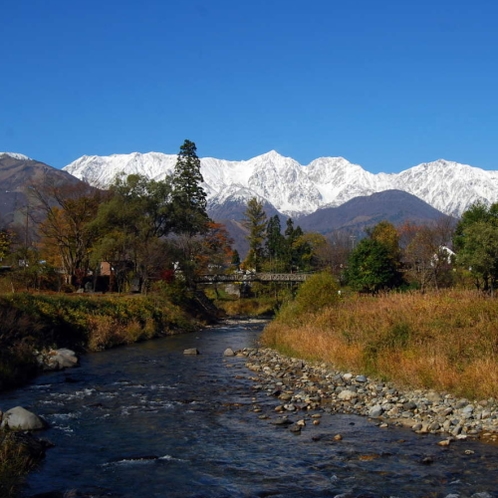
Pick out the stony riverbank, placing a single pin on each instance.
(302, 389)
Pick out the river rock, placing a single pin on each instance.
(191, 351)
(57, 359)
(228, 352)
(18, 418)
(347, 395)
(318, 387)
(375, 411)
(282, 421)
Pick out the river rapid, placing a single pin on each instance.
(148, 421)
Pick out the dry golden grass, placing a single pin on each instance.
(446, 341)
(15, 462)
(246, 307)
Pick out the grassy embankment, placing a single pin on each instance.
(249, 307)
(84, 323)
(447, 341)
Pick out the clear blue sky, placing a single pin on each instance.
(385, 84)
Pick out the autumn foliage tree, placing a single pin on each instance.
(427, 256)
(215, 249)
(66, 236)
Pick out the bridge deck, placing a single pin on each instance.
(253, 277)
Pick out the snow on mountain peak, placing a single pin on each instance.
(16, 155)
(294, 189)
(269, 156)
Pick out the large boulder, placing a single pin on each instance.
(18, 418)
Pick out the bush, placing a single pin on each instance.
(317, 292)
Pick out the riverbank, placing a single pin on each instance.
(426, 361)
(31, 324)
(445, 341)
(303, 389)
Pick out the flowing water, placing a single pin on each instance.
(147, 421)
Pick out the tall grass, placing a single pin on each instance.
(16, 460)
(446, 341)
(247, 306)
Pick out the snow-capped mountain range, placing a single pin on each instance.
(294, 189)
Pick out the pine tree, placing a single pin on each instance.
(189, 198)
(235, 259)
(255, 222)
(275, 243)
(294, 250)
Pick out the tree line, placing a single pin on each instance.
(444, 253)
(147, 230)
(440, 254)
(143, 229)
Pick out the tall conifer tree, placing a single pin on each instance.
(255, 221)
(275, 243)
(189, 198)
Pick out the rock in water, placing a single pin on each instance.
(191, 351)
(19, 418)
(57, 359)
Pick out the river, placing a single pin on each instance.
(147, 421)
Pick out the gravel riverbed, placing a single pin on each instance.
(303, 390)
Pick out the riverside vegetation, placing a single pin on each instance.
(37, 322)
(442, 340)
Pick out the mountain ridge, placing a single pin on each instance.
(229, 195)
(297, 190)
(17, 173)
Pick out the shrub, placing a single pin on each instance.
(317, 292)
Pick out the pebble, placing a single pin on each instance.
(299, 386)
